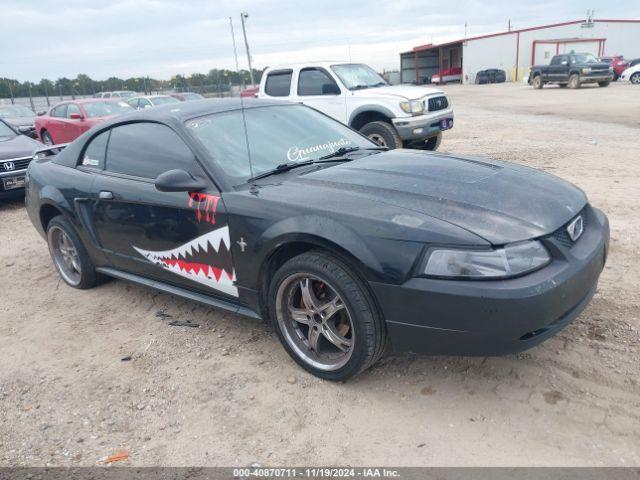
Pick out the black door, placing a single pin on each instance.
(181, 238)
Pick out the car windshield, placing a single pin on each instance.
(105, 109)
(6, 131)
(15, 111)
(583, 58)
(192, 96)
(163, 100)
(274, 135)
(356, 76)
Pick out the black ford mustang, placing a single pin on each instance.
(277, 211)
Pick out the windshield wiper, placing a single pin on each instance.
(344, 150)
(283, 167)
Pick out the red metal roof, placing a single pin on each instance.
(429, 46)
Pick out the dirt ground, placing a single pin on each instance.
(227, 394)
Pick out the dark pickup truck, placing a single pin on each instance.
(572, 69)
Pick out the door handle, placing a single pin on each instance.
(105, 195)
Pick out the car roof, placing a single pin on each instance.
(183, 111)
(323, 63)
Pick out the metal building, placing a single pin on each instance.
(516, 50)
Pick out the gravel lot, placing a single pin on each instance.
(227, 394)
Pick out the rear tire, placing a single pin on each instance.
(562, 85)
(537, 82)
(574, 81)
(635, 78)
(382, 133)
(604, 84)
(69, 255)
(356, 322)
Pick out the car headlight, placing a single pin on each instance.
(586, 70)
(412, 106)
(511, 260)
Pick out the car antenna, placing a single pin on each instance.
(244, 120)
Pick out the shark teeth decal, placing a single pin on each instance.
(205, 259)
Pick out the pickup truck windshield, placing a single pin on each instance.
(274, 135)
(357, 76)
(583, 58)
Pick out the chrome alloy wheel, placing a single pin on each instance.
(315, 321)
(378, 139)
(65, 255)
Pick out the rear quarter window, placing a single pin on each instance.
(278, 83)
(95, 153)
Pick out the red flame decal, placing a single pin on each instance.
(205, 205)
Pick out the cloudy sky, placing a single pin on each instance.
(54, 38)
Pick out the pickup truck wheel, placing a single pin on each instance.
(537, 82)
(635, 78)
(324, 316)
(433, 143)
(562, 85)
(69, 255)
(574, 81)
(604, 84)
(383, 134)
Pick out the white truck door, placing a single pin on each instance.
(317, 88)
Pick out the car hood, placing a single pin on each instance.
(18, 146)
(497, 201)
(405, 92)
(20, 121)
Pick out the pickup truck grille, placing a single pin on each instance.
(437, 103)
(18, 164)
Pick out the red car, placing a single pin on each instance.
(618, 63)
(66, 121)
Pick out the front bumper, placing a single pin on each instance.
(596, 78)
(449, 317)
(423, 126)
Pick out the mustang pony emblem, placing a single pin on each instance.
(205, 259)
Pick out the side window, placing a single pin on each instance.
(555, 60)
(314, 81)
(145, 103)
(73, 108)
(96, 151)
(59, 111)
(106, 95)
(133, 102)
(278, 83)
(146, 150)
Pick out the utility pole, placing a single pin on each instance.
(243, 16)
(235, 52)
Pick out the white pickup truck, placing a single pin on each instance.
(353, 93)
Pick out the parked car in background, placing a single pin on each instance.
(117, 94)
(572, 70)
(395, 116)
(276, 211)
(148, 101)
(447, 76)
(187, 96)
(632, 74)
(250, 92)
(16, 152)
(491, 75)
(21, 117)
(617, 62)
(66, 121)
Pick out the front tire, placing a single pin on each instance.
(574, 81)
(69, 255)
(635, 78)
(325, 318)
(604, 84)
(47, 139)
(382, 133)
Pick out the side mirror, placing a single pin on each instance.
(330, 89)
(179, 181)
(76, 116)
